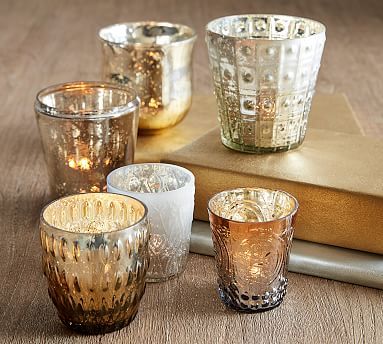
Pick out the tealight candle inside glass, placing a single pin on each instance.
(87, 130)
(155, 58)
(95, 258)
(252, 230)
(168, 192)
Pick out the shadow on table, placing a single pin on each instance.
(186, 295)
(198, 297)
(39, 320)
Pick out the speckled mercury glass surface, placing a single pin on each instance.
(168, 192)
(252, 230)
(155, 59)
(95, 258)
(87, 129)
(264, 71)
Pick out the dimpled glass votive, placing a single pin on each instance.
(168, 191)
(95, 258)
(264, 71)
(87, 129)
(154, 58)
(252, 230)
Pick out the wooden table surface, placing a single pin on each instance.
(44, 42)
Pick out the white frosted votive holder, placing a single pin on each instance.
(168, 192)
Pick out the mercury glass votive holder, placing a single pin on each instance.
(252, 230)
(87, 129)
(168, 192)
(154, 58)
(264, 70)
(95, 258)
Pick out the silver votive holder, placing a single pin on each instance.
(87, 129)
(264, 71)
(168, 192)
(155, 59)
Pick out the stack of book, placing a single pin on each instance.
(335, 175)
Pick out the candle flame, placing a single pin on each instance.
(72, 163)
(82, 164)
(153, 103)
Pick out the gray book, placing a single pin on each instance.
(314, 259)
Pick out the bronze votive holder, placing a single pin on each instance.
(87, 129)
(252, 230)
(95, 258)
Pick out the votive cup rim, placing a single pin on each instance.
(188, 184)
(94, 114)
(46, 223)
(281, 219)
(285, 16)
(193, 35)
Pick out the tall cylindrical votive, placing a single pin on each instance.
(87, 129)
(252, 230)
(264, 71)
(168, 191)
(155, 59)
(95, 258)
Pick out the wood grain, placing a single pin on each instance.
(47, 41)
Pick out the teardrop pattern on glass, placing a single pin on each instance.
(96, 281)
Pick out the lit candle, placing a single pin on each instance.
(95, 258)
(252, 230)
(155, 59)
(83, 164)
(87, 130)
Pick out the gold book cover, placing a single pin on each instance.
(336, 176)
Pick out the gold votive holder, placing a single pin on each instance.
(95, 258)
(252, 230)
(87, 129)
(155, 59)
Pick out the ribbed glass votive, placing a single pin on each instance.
(155, 59)
(95, 258)
(87, 130)
(252, 229)
(264, 71)
(168, 191)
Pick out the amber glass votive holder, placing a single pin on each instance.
(95, 258)
(252, 230)
(87, 129)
